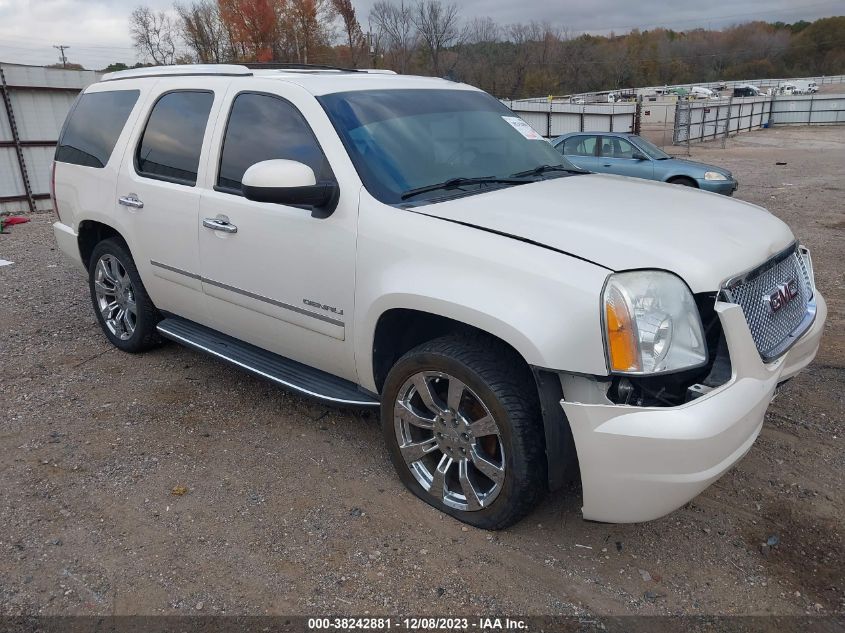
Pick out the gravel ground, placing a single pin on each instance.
(289, 507)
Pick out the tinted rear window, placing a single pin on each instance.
(172, 141)
(93, 127)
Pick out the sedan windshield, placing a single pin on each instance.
(651, 149)
(416, 145)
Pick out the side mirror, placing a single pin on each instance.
(639, 156)
(289, 182)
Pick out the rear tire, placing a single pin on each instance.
(123, 308)
(473, 446)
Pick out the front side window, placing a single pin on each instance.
(615, 147)
(580, 146)
(263, 127)
(172, 141)
(651, 149)
(93, 127)
(406, 139)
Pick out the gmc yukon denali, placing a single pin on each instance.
(409, 244)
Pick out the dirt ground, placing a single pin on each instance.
(831, 89)
(293, 508)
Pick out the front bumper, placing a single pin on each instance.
(724, 187)
(640, 463)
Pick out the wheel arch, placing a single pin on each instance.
(677, 178)
(410, 320)
(92, 232)
(399, 330)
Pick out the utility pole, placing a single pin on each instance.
(61, 48)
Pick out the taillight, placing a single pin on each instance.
(53, 190)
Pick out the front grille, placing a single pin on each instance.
(774, 331)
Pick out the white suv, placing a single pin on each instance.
(408, 243)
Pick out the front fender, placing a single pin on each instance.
(543, 303)
(694, 174)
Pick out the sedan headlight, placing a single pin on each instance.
(651, 324)
(714, 175)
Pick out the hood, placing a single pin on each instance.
(626, 223)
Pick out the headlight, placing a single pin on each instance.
(714, 175)
(651, 324)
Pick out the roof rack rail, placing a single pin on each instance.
(181, 70)
(286, 66)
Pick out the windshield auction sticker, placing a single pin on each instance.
(523, 128)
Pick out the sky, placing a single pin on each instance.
(97, 31)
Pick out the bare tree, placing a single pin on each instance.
(439, 27)
(354, 36)
(483, 31)
(203, 31)
(153, 35)
(396, 30)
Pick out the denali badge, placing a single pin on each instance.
(322, 306)
(782, 294)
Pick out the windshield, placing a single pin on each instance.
(651, 149)
(405, 140)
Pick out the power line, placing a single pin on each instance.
(61, 48)
(76, 45)
(10, 43)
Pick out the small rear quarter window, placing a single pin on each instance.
(93, 127)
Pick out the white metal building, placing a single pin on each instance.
(35, 103)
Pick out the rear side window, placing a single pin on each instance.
(170, 146)
(93, 127)
(262, 127)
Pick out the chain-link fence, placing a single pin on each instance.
(697, 121)
(552, 117)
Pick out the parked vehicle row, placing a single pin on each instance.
(795, 88)
(409, 244)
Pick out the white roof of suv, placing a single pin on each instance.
(315, 79)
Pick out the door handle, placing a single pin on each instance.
(216, 224)
(131, 201)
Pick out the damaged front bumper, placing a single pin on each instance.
(640, 463)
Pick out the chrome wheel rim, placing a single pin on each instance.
(449, 440)
(115, 297)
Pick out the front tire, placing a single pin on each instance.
(683, 181)
(462, 424)
(123, 308)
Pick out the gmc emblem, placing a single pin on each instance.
(782, 294)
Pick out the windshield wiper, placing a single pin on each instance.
(542, 169)
(454, 183)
